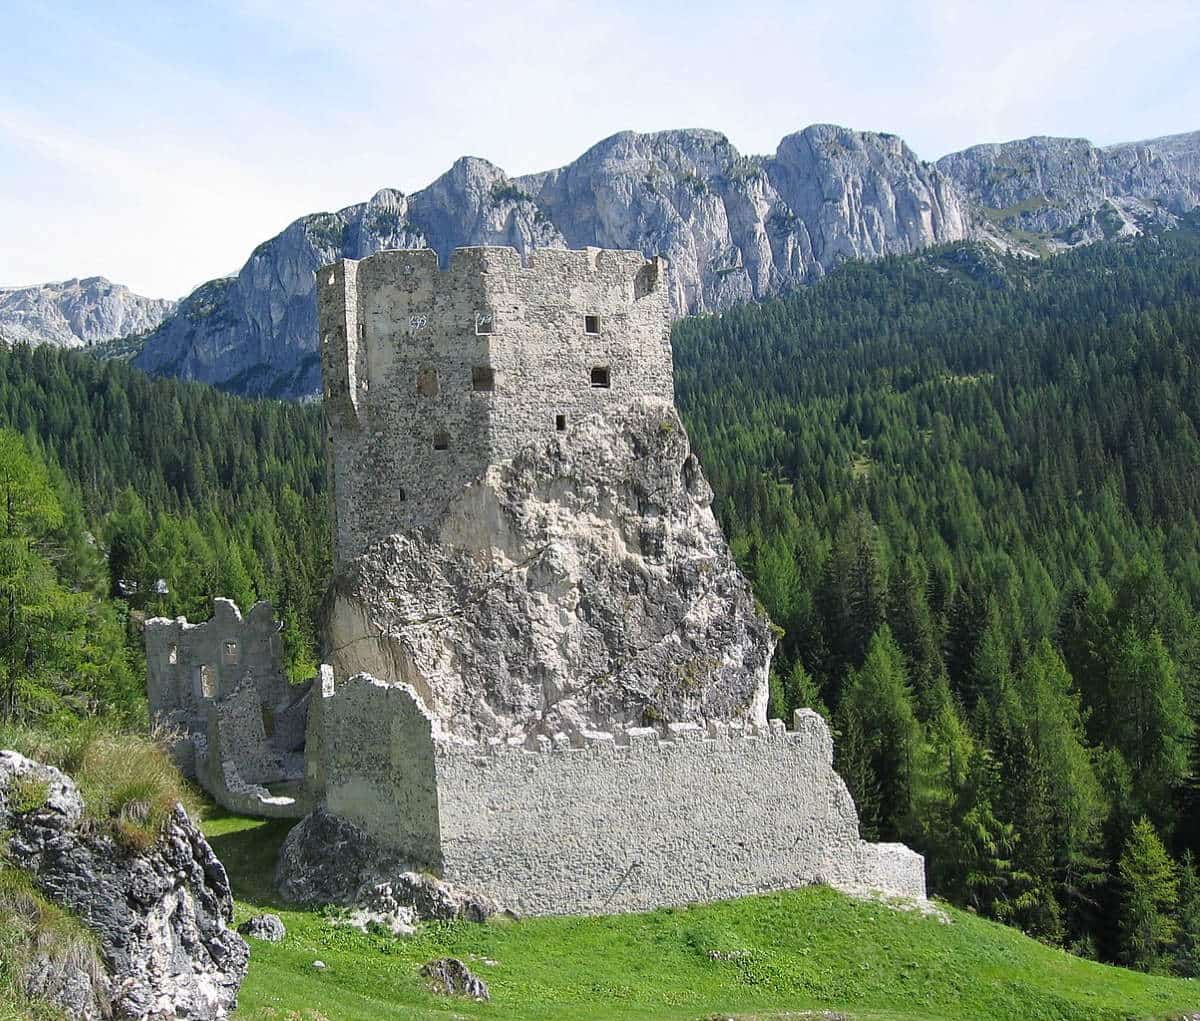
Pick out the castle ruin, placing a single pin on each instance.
(546, 677)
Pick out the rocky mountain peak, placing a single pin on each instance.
(76, 313)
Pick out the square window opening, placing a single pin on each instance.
(600, 377)
(483, 378)
(427, 383)
(231, 654)
(485, 323)
(441, 441)
(591, 324)
(560, 423)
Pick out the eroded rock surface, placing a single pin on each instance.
(583, 584)
(161, 916)
(327, 860)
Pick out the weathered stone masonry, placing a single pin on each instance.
(219, 688)
(606, 821)
(527, 568)
(432, 375)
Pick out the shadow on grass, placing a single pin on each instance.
(249, 849)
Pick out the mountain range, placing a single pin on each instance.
(76, 313)
(734, 227)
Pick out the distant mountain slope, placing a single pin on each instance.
(76, 313)
(1070, 192)
(735, 228)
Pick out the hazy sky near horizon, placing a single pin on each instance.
(157, 143)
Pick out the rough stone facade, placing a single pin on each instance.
(217, 689)
(431, 376)
(602, 821)
(583, 584)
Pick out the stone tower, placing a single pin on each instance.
(432, 375)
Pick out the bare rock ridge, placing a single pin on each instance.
(1071, 192)
(76, 313)
(733, 227)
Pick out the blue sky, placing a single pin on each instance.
(158, 143)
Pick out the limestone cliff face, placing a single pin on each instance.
(1074, 192)
(76, 313)
(160, 916)
(733, 227)
(584, 583)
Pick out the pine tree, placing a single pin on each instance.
(1149, 898)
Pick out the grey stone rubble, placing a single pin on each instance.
(76, 313)
(733, 227)
(448, 975)
(269, 928)
(327, 860)
(161, 916)
(218, 691)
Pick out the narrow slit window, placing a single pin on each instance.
(401, 495)
(591, 324)
(483, 378)
(560, 423)
(172, 654)
(441, 441)
(362, 331)
(601, 379)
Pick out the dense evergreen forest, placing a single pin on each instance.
(964, 485)
(966, 488)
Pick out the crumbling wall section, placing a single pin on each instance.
(190, 666)
(604, 822)
(378, 751)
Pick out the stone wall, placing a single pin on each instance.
(432, 375)
(189, 666)
(604, 822)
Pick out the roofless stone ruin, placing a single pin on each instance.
(546, 678)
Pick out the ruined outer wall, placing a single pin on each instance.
(402, 342)
(190, 665)
(659, 819)
(661, 822)
(378, 765)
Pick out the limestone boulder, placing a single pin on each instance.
(161, 916)
(583, 584)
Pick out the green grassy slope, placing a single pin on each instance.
(780, 953)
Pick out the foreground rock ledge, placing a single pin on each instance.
(161, 916)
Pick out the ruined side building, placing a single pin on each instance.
(546, 678)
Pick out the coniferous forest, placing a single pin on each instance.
(964, 485)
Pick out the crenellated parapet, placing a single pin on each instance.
(600, 821)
